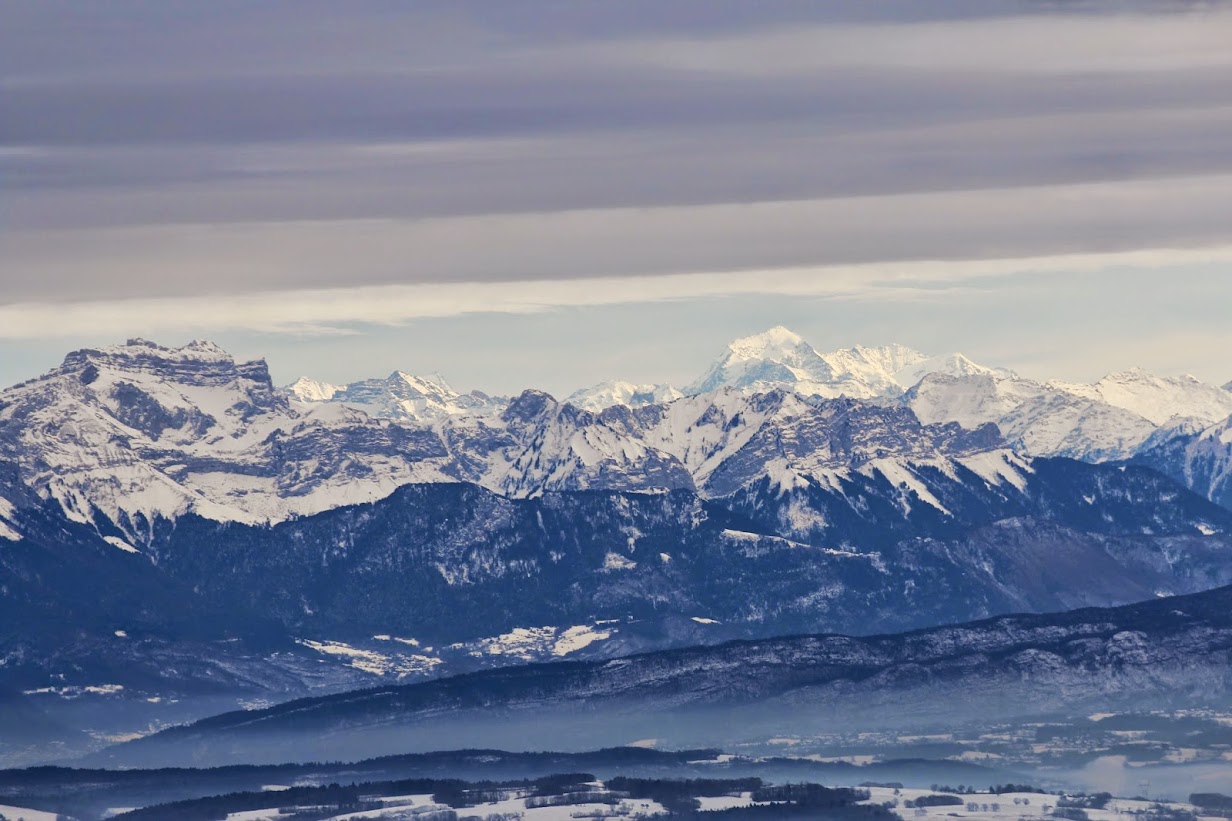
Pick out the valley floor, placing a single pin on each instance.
(981, 806)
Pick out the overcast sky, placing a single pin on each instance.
(551, 192)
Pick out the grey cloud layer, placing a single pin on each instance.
(176, 148)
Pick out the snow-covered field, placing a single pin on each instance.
(976, 806)
(423, 807)
(14, 813)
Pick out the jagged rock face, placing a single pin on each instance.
(1175, 652)
(138, 433)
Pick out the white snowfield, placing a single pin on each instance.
(28, 814)
(139, 432)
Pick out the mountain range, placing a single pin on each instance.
(180, 535)
(1106, 420)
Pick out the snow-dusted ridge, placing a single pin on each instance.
(139, 432)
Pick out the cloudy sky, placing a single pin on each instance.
(550, 192)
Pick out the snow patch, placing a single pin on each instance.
(116, 541)
(614, 561)
(370, 661)
(74, 691)
(578, 637)
(900, 476)
(999, 466)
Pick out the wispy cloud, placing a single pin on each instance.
(1037, 45)
(339, 310)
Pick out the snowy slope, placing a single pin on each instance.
(306, 389)
(1035, 418)
(728, 439)
(1157, 398)
(954, 364)
(1060, 425)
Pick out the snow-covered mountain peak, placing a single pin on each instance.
(418, 381)
(411, 386)
(205, 347)
(781, 357)
(774, 356)
(306, 389)
(777, 342)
